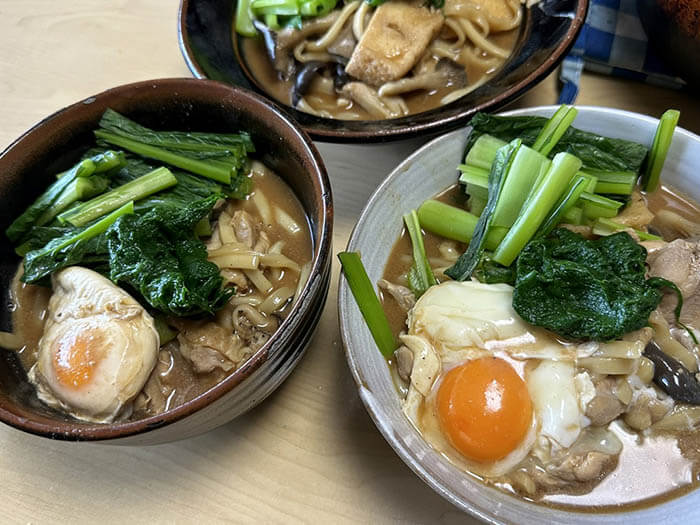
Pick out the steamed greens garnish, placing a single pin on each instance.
(420, 276)
(158, 254)
(585, 289)
(368, 302)
(221, 157)
(659, 149)
(135, 220)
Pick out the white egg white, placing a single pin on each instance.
(455, 322)
(107, 338)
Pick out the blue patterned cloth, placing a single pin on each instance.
(613, 42)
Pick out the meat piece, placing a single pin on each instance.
(672, 225)
(679, 262)
(635, 214)
(404, 362)
(208, 346)
(396, 37)
(646, 409)
(244, 227)
(605, 406)
(402, 295)
(581, 467)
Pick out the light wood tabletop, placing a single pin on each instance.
(309, 453)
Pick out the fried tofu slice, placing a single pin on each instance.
(396, 37)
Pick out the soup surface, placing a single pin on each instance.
(268, 226)
(364, 63)
(651, 463)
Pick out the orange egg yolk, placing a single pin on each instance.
(75, 359)
(484, 408)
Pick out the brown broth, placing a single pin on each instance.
(252, 51)
(31, 301)
(674, 458)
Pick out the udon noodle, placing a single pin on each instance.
(344, 65)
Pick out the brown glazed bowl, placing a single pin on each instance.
(673, 30)
(183, 104)
(548, 31)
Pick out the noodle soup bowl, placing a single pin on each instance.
(548, 30)
(54, 144)
(424, 174)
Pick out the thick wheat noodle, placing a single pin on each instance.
(332, 34)
(481, 40)
(255, 317)
(303, 57)
(276, 300)
(457, 30)
(459, 93)
(358, 21)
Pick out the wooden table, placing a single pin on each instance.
(309, 453)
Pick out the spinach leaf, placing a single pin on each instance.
(585, 289)
(595, 151)
(158, 254)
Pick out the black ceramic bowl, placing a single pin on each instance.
(57, 142)
(673, 30)
(547, 33)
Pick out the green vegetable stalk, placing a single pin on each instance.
(554, 129)
(368, 302)
(468, 261)
(152, 182)
(456, 224)
(659, 149)
(420, 276)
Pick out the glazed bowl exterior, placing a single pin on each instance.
(183, 104)
(427, 172)
(548, 31)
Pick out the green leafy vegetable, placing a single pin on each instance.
(421, 274)
(585, 289)
(146, 185)
(368, 302)
(595, 151)
(43, 209)
(222, 157)
(73, 247)
(468, 261)
(158, 254)
(659, 149)
(553, 130)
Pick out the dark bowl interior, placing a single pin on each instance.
(54, 144)
(547, 33)
(673, 30)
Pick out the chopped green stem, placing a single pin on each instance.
(368, 302)
(573, 215)
(591, 181)
(659, 149)
(614, 182)
(553, 130)
(564, 167)
(424, 272)
(244, 19)
(80, 189)
(473, 175)
(317, 7)
(152, 182)
(94, 229)
(595, 206)
(483, 152)
(522, 175)
(565, 203)
(603, 226)
(206, 169)
(468, 261)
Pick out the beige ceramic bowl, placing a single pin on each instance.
(427, 172)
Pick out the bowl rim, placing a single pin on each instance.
(378, 416)
(399, 132)
(322, 251)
